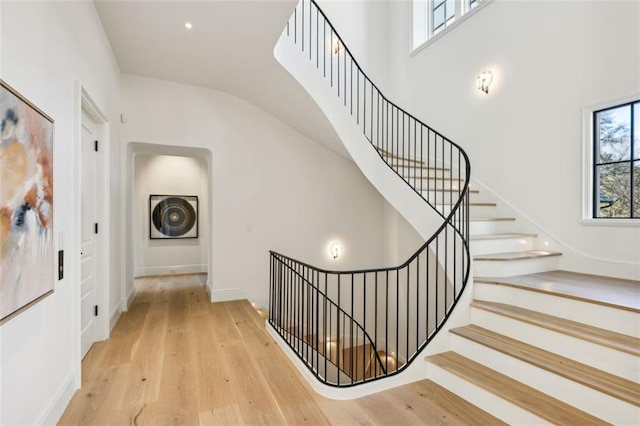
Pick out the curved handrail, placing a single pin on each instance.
(318, 293)
(434, 277)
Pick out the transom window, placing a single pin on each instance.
(616, 161)
(431, 17)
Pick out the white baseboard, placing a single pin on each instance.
(123, 306)
(228, 294)
(169, 270)
(115, 316)
(129, 300)
(60, 401)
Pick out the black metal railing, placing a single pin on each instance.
(398, 310)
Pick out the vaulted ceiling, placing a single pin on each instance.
(229, 48)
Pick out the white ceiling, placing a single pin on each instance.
(229, 48)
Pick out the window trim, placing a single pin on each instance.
(588, 157)
(421, 24)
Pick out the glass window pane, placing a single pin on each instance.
(613, 191)
(451, 9)
(636, 130)
(438, 17)
(636, 189)
(437, 3)
(613, 127)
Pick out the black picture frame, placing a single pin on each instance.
(173, 217)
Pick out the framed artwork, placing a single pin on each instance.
(26, 204)
(173, 216)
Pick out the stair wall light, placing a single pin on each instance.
(483, 81)
(336, 46)
(335, 250)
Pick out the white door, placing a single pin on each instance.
(88, 165)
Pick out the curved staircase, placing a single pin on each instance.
(531, 345)
(350, 328)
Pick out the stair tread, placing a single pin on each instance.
(386, 153)
(500, 236)
(463, 411)
(476, 204)
(606, 291)
(491, 219)
(600, 336)
(414, 165)
(530, 399)
(516, 255)
(473, 191)
(442, 178)
(599, 380)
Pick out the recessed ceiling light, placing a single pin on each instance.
(188, 25)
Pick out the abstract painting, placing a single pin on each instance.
(26, 203)
(173, 216)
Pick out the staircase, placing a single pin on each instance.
(547, 347)
(355, 327)
(542, 345)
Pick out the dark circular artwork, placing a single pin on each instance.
(173, 216)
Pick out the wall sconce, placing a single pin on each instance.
(335, 250)
(336, 46)
(484, 80)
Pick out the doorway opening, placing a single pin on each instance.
(173, 180)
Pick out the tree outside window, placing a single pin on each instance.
(616, 185)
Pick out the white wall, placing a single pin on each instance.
(168, 175)
(363, 25)
(524, 139)
(46, 47)
(401, 240)
(271, 188)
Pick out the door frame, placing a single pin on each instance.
(84, 102)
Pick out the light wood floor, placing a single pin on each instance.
(175, 358)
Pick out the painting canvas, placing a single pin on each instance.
(173, 216)
(26, 203)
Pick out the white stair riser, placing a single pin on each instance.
(408, 170)
(445, 197)
(507, 268)
(618, 320)
(491, 226)
(582, 397)
(603, 358)
(501, 245)
(485, 400)
(430, 184)
(479, 211)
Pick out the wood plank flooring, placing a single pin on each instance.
(176, 358)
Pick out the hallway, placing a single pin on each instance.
(175, 358)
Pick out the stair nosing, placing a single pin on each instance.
(491, 219)
(451, 179)
(473, 191)
(421, 165)
(501, 281)
(531, 254)
(500, 236)
(386, 153)
(561, 325)
(601, 381)
(472, 204)
(514, 392)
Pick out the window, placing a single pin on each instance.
(616, 162)
(432, 17)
